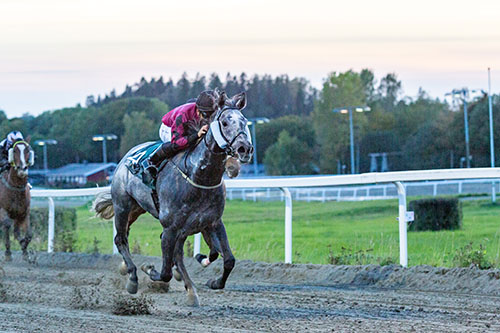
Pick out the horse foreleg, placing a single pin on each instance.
(168, 240)
(121, 241)
(188, 284)
(229, 260)
(215, 248)
(23, 242)
(6, 233)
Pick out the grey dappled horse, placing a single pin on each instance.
(191, 196)
(15, 197)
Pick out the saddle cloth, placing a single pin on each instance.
(136, 163)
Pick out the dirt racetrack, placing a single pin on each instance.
(81, 293)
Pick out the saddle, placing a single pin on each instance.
(137, 162)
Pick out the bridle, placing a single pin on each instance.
(220, 138)
(31, 158)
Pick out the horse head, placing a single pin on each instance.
(21, 157)
(230, 130)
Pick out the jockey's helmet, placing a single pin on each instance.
(14, 136)
(208, 102)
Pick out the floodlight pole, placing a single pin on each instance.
(466, 122)
(253, 122)
(44, 144)
(104, 138)
(255, 167)
(492, 148)
(348, 109)
(352, 140)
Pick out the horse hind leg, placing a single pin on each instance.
(132, 217)
(121, 242)
(6, 232)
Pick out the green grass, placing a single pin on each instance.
(365, 232)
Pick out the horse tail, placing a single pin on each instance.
(103, 205)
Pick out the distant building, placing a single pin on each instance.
(77, 174)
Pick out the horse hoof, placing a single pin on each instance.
(132, 287)
(177, 274)
(213, 284)
(147, 268)
(8, 257)
(193, 301)
(123, 268)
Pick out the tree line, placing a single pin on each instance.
(303, 135)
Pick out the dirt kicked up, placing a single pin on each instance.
(84, 293)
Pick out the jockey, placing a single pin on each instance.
(174, 131)
(5, 145)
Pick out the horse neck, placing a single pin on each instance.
(14, 179)
(207, 167)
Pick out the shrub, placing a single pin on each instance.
(436, 214)
(348, 256)
(467, 256)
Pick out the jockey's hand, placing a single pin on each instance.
(203, 131)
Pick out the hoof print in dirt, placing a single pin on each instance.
(124, 305)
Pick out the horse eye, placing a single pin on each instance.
(224, 123)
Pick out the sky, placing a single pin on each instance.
(54, 53)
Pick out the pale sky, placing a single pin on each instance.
(54, 53)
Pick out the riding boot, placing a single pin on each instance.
(4, 165)
(166, 150)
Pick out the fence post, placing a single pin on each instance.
(197, 244)
(50, 239)
(403, 245)
(288, 225)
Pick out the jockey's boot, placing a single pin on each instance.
(4, 165)
(153, 162)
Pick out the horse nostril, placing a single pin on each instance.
(241, 150)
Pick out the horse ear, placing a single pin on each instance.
(28, 139)
(222, 99)
(240, 100)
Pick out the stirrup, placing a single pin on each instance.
(151, 170)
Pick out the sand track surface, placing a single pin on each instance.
(65, 292)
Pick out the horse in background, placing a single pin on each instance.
(191, 194)
(15, 197)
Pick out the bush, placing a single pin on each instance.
(436, 214)
(65, 227)
(467, 256)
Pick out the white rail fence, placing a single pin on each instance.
(367, 192)
(307, 182)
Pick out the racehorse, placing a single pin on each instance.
(15, 196)
(191, 195)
